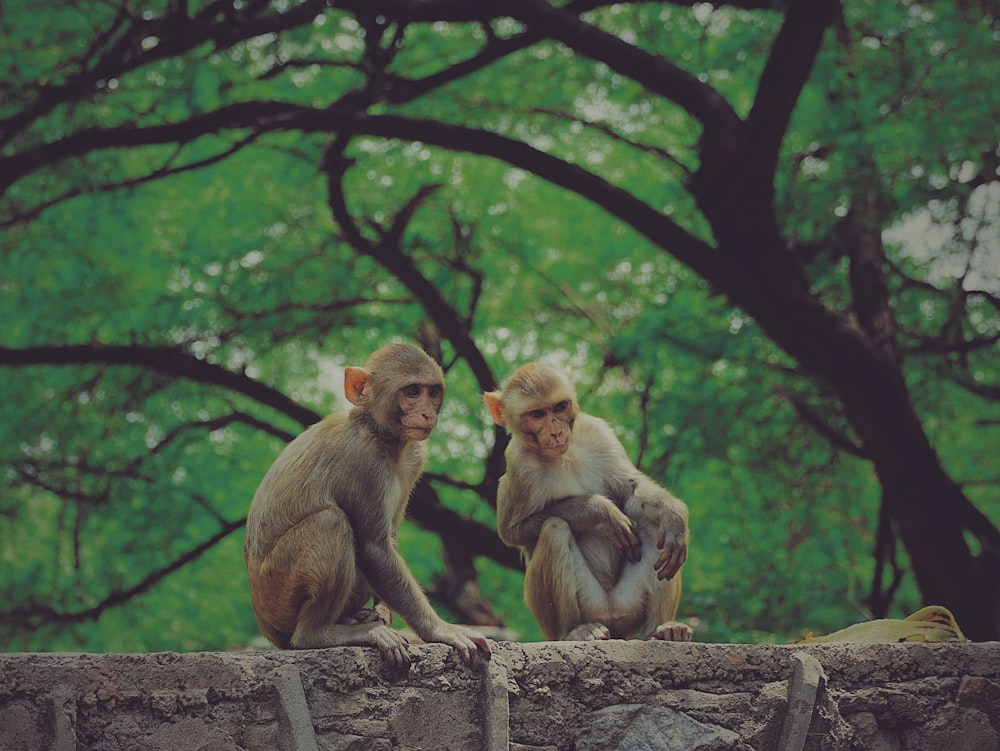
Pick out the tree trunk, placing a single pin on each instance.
(856, 355)
(930, 512)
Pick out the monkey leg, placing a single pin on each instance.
(308, 581)
(661, 596)
(559, 587)
(330, 586)
(664, 597)
(643, 603)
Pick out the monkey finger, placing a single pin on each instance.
(670, 562)
(483, 647)
(628, 544)
(401, 657)
(392, 644)
(661, 541)
(666, 573)
(480, 648)
(634, 552)
(469, 644)
(398, 656)
(624, 546)
(470, 655)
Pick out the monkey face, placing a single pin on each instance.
(538, 407)
(550, 427)
(419, 404)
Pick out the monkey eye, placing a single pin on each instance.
(435, 391)
(561, 406)
(536, 414)
(412, 390)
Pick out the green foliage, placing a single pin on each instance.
(111, 473)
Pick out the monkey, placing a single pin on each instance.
(321, 530)
(603, 544)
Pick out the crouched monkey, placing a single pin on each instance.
(321, 531)
(603, 543)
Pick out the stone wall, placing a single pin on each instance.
(612, 695)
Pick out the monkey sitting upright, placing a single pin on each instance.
(603, 543)
(321, 531)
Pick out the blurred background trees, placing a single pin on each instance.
(762, 234)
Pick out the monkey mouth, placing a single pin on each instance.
(417, 433)
(557, 449)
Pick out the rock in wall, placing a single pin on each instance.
(595, 696)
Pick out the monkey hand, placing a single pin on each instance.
(672, 542)
(659, 520)
(392, 645)
(471, 645)
(617, 528)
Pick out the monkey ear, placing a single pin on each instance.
(493, 403)
(354, 385)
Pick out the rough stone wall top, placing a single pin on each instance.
(558, 695)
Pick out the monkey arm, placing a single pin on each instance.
(665, 517)
(393, 583)
(583, 513)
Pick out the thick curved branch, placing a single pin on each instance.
(788, 67)
(125, 45)
(755, 292)
(261, 116)
(427, 510)
(165, 360)
(706, 260)
(462, 11)
(658, 75)
(388, 252)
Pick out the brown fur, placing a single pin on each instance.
(603, 543)
(321, 531)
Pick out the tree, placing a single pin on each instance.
(766, 147)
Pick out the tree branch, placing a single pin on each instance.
(658, 75)
(125, 50)
(834, 437)
(157, 174)
(388, 252)
(36, 615)
(167, 360)
(427, 510)
(788, 67)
